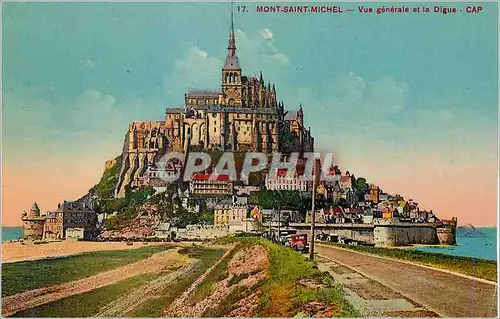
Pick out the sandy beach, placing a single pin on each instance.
(15, 251)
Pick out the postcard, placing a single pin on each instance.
(249, 159)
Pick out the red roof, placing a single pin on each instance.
(204, 177)
(345, 179)
(354, 211)
(337, 211)
(281, 172)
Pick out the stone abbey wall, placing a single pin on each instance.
(386, 232)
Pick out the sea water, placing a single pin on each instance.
(11, 233)
(484, 247)
(478, 246)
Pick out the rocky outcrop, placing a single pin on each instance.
(141, 226)
(145, 143)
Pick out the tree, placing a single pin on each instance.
(207, 216)
(256, 179)
(269, 199)
(263, 198)
(361, 187)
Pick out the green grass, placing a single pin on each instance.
(480, 268)
(23, 276)
(106, 186)
(89, 303)
(281, 295)
(155, 306)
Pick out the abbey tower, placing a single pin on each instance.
(243, 115)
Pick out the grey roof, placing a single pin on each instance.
(251, 80)
(203, 93)
(291, 116)
(235, 109)
(174, 110)
(241, 200)
(73, 207)
(232, 62)
(50, 215)
(224, 202)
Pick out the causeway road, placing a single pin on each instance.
(445, 293)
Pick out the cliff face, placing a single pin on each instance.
(105, 188)
(145, 143)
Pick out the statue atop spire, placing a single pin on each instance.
(232, 59)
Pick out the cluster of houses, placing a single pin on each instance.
(71, 220)
(232, 211)
(229, 199)
(348, 206)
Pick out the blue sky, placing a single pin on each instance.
(75, 75)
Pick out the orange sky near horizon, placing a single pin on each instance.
(408, 102)
(467, 191)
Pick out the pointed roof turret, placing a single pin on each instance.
(231, 59)
(34, 211)
(35, 207)
(261, 78)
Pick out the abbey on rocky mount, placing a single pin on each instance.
(244, 115)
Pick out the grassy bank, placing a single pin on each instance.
(206, 287)
(281, 294)
(475, 267)
(23, 276)
(86, 304)
(156, 305)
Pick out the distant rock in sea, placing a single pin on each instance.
(470, 230)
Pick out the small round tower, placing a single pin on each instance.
(33, 223)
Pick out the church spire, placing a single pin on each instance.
(232, 41)
(232, 58)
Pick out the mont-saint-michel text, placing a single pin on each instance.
(379, 9)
